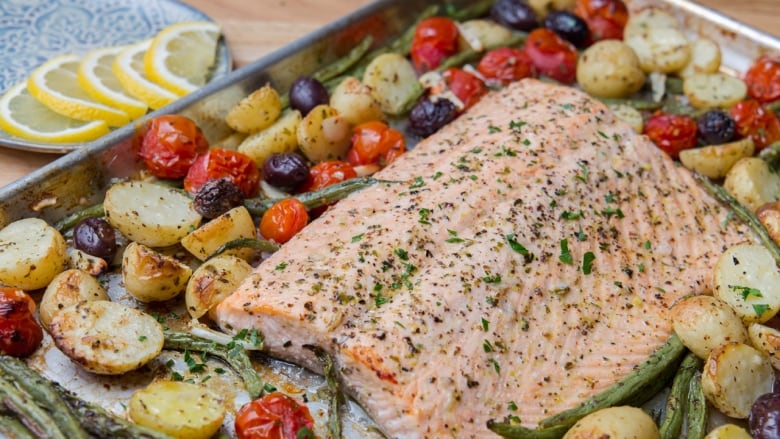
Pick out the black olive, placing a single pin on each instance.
(764, 418)
(568, 26)
(516, 14)
(306, 93)
(286, 171)
(428, 116)
(216, 197)
(716, 127)
(96, 237)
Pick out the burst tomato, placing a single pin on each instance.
(375, 142)
(223, 163)
(170, 144)
(755, 121)
(274, 416)
(763, 79)
(283, 220)
(324, 174)
(434, 39)
(20, 334)
(467, 87)
(672, 133)
(606, 18)
(551, 55)
(505, 65)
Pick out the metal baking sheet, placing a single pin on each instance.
(80, 178)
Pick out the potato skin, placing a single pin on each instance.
(323, 134)
(715, 161)
(623, 422)
(354, 102)
(150, 276)
(704, 323)
(214, 280)
(752, 183)
(206, 239)
(280, 137)
(255, 112)
(610, 69)
(769, 215)
(746, 278)
(766, 340)
(33, 253)
(66, 289)
(734, 375)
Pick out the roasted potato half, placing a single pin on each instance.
(355, 103)
(752, 183)
(150, 276)
(629, 115)
(393, 81)
(735, 374)
(615, 422)
(705, 58)
(324, 134)
(610, 69)
(769, 215)
(704, 323)
(766, 340)
(715, 161)
(149, 213)
(214, 280)
(69, 288)
(714, 90)
(205, 240)
(88, 334)
(179, 409)
(480, 33)
(747, 279)
(33, 253)
(255, 112)
(280, 137)
(728, 431)
(649, 18)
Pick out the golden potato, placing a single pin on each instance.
(214, 280)
(734, 375)
(747, 279)
(752, 183)
(615, 422)
(280, 137)
(715, 161)
(704, 323)
(393, 81)
(179, 409)
(66, 289)
(769, 215)
(150, 276)
(324, 135)
(255, 112)
(355, 103)
(610, 69)
(33, 253)
(205, 240)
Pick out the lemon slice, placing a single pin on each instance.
(96, 76)
(129, 69)
(55, 84)
(24, 116)
(182, 55)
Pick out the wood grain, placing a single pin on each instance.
(255, 28)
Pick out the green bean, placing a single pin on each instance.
(258, 245)
(234, 356)
(510, 431)
(322, 197)
(335, 397)
(345, 63)
(35, 385)
(678, 397)
(697, 410)
(639, 104)
(743, 213)
(646, 373)
(475, 10)
(674, 85)
(34, 417)
(11, 428)
(71, 220)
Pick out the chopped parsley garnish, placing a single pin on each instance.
(610, 198)
(492, 279)
(496, 366)
(192, 364)
(513, 125)
(453, 239)
(565, 255)
(760, 308)
(268, 387)
(485, 324)
(512, 406)
(402, 254)
(142, 338)
(424, 215)
(176, 376)
(437, 175)
(571, 215)
(493, 129)
(587, 262)
(418, 183)
(487, 347)
(516, 246)
(567, 106)
(305, 433)
(283, 265)
(641, 268)
(581, 236)
(610, 211)
(746, 291)
(647, 245)
(583, 174)
(476, 150)
(380, 300)
(357, 238)
(602, 134)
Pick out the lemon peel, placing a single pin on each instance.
(96, 76)
(129, 70)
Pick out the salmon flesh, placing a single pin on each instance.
(526, 261)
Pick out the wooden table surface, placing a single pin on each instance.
(256, 27)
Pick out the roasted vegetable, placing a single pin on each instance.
(33, 253)
(205, 240)
(617, 422)
(747, 279)
(69, 288)
(150, 276)
(610, 69)
(255, 112)
(715, 161)
(159, 406)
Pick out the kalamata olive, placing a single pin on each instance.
(516, 14)
(568, 26)
(428, 116)
(764, 419)
(286, 171)
(716, 127)
(96, 237)
(306, 93)
(216, 197)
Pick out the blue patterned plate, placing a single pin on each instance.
(33, 31)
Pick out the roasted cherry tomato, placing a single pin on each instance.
(552, 55)
(672, 133)
(763, 79)
(283, 220)
(505, 65)
(467, 87)
(375, 142)
(606, 18)
(20, 334)
(274, 416)
(170, 145)
(239, 168)
(324, 174)
(434, 39)
(755, 121)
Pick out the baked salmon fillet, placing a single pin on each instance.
(527, 261)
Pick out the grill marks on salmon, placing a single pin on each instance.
(527, 262)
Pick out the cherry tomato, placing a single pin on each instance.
(274, 416)
(170, 145)
(552, 55)
(20, 334)
(606, 18)
(435, 38)
(324, 174)
(763, 79)
(283, 220)
(505, 65)
(217, 163)
(754, 120)
(467, 87)
(375, 142)
(672, 133)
